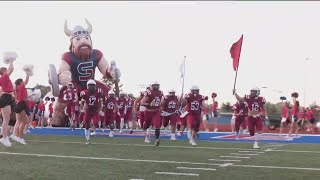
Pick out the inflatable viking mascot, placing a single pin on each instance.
(78, 65)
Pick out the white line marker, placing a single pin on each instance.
(291, 151)
(226, 160)
(136, 179)
(141, 145)
(112, 159)
(240, 157)
(178, 174)
(204, 169)
(279, 167)
(226, 165)
(244, 154)
(251, 152)
(182, 147)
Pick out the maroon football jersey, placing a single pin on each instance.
(69, 94)
(241, 109)
(194, 103)
(130, 104)
(254, 103)
(121, 103)
(92, 99)
(110, 104)
(170, 104)
(154, 98)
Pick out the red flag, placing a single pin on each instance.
(235, 52)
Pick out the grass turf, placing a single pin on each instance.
(127, 150)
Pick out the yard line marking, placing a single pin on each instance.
(190, 168)
(277, 167)
(251, 152)
(227, 160)
(136, 179)
(141, 145)
(240, 157)
(292, 151)
(244, 154)
(226, 165)
(112, 159)
(178, 174)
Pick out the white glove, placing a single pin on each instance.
(9, 57)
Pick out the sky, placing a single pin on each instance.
(148, 40)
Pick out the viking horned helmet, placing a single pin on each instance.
(78, 30)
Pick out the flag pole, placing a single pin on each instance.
(184, 73)
(235, 78)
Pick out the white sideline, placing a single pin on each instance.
(251, 152)
(278, 167)
(240, 157)
(182, 147)
(112, 159)
(157, 161)
(141, 145)
(227, 160)
(244, 154)
(178, 174)
(204, 169)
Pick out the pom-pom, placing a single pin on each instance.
(9, 57)
(29, 69)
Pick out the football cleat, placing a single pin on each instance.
(157, 142)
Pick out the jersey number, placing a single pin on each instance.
(85, 70)
(155, 102)
(110, 106)
(70, 96)
(172, 105)
(92, 101)
(194, 106)
(255, 107)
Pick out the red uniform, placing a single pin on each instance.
(170, 106)
(93, 104)
(109, 111)
(41, 109)
(6, 98)
(50, 110)
(311, 115)
(285, 112)
(152, 113)
(128, 116)
(295, 111)
(254, 104)
(194, 109)
(76, 112)
(122, 106)
(69, 96)
(240, 111)
(6, 83)
(214, 109)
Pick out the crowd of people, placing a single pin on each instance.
(152, 109)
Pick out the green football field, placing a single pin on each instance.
(67, 157)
